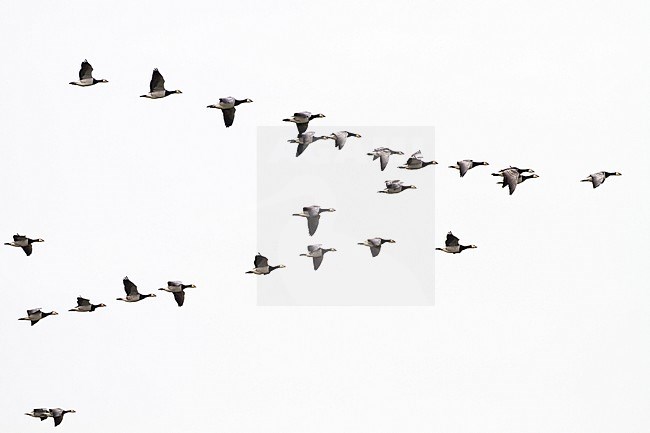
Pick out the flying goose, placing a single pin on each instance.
(302, 120)
(132, 294)
(312, 213)
(383, 153)
(157, 87)
(84, 305)
(375, 244)
(513, 176)
(316, 252)
(415, 162)
(304, 140)
(341, 137)
(23, 242)
(465, 165)
(395, 186)
(597, 179)
(41, 413)
(178, 290)
(262, 266)
(34, 315)
(57, 413)
(452, 246)
(520, 178)
(227, 106)
(86, 76)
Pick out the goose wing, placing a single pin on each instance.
(130, 288)
(18, 238)
(464, 166)
(374, 250)
(33, 311)
(312, 248)
(157, 83)
(27, 249)
(57, 414)
(82, 302)
(317, 261)
(417, 155)
(261, 261)
(302, 127)
(383, 160)
(312, 224)
(340, 138)
(179, 297)
(228, 116)
(451, 241)
(511, 178)
(86, 71)
(597, 179)
(311, 210)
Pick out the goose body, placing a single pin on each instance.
(35, 314)
(302, 119)
(227, 106)
(341, 137)
(466, 165)
(84, 306)
(262, 267)
(86, 76)
(177, 288)
(316, 252)
(395, 187)
(157, 87)
(132, 294)
(375, 245)
(415, 162)
(312, 213)
(21, 241)
(383, 153)
(597, 179)
(304, 140)
(452, 246)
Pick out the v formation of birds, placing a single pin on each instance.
(510, 177)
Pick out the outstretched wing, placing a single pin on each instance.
(374, 250)
(302, 127)
(28, 249)
(312, 224)
(33, 311)
(157, 82)
(129, 287)
(317, 261)
(228, 116)
(302, 146)
(464, 166)
(82, 302)
(417, 155)
(179, 297)
(261, 261)
(451, 241)
(597, 179)
(511, 177)
(86, 71)
(383, 160)
(18, 238)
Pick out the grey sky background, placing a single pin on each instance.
(348, 181)
(542, 328)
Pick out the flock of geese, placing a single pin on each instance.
(510, 177)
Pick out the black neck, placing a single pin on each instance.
(425, 163)
(463, 247)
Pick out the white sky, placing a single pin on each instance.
(542, 328)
